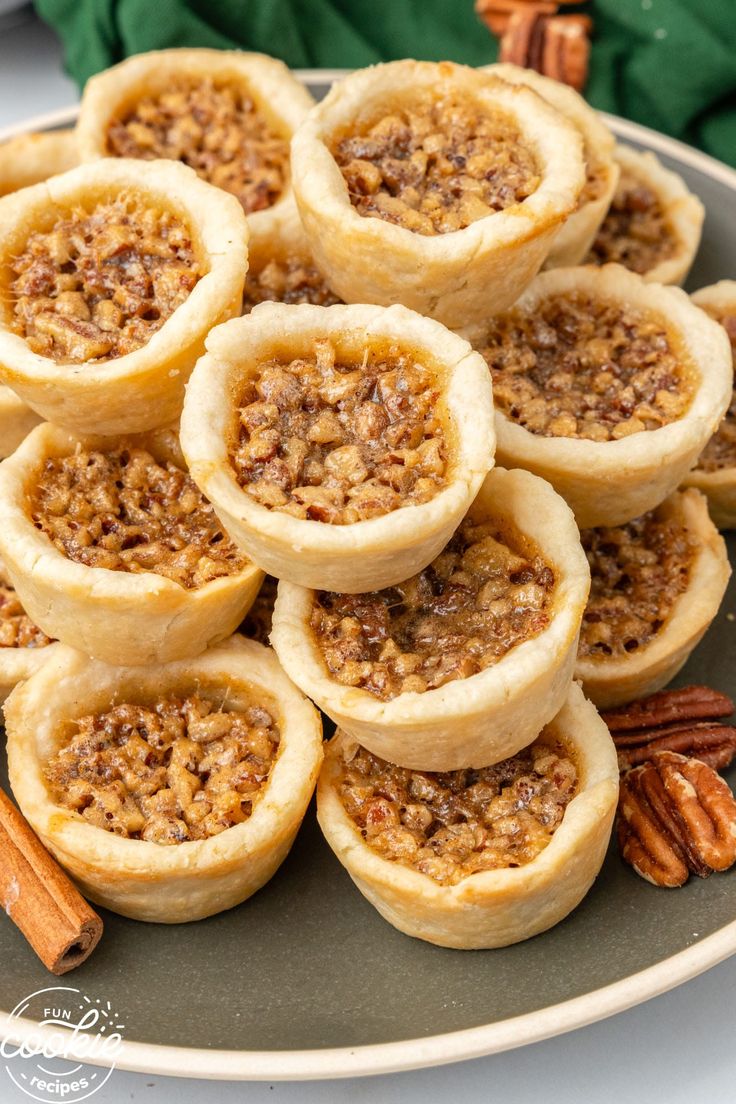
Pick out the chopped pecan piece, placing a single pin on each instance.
(674, 720)
(676, 817)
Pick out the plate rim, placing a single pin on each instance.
(447, 1047)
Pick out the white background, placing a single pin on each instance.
(677, 1049)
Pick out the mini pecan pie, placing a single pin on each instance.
(229, 115)
(114, 549)
(715, 472)
(656, 584)
(601, 170)
(23, 646)
(112, 275)
(340, 445)
(463, 663)
(654, 223)
(606, 386)
(25, 160)
(476, 858)
(459, 179)
(31, 158)
(282, 269)
(169, 792)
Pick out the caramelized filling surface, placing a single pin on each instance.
(125, 511)
(636, 232)
(476, 601)
(101, 282)
(287, 280)
(437, 166)
(582, 367)
(180, 769)
(638, 571)
(720, 452)
(459, 823)
(341, 440)
(216, 129)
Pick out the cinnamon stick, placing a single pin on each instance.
(39, 897)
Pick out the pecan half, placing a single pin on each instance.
(690, 703)
(496, 13)
(555, 45)
(674, 720)
(676, 817)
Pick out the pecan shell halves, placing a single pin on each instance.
(676, 817)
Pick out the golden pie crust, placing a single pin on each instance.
(139, 878)
(679, 216)
(471, 721)
(449, 276)
(365, 554)
(609, 482)
(614, 679)
(718, 484)
(144, 388)
(118, 616)
(491, 908)
(280, 101)
(31, 158)
(576, 236)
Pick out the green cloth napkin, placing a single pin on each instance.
(670, 64)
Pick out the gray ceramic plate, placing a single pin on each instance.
(306, 980)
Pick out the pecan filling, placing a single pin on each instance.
(257, 623)
(638, 571)
(437, 167)
(635, 232)
(720, 452)
(124, 511)
(462, 822)
(341, 440)
(579, 367)
(596, 176)
(476, 601)
(291, 280)
(101, 282)
(179, 769)
(16, 628)
(216, 129)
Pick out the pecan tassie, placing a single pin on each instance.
(482, 595)
(720, 452)
(291, 279)
(102, 281)
(455, 824)
(437, 166)
(16, 628)
(583, 368)
(215, 128)
(676, 817)
(638, 572)
(179, 769)
(635, 232)
(338, 439)
(684, 720)
(125, 511)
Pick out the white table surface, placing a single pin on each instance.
(677, 1049)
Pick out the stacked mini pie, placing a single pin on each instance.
(295, 371)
